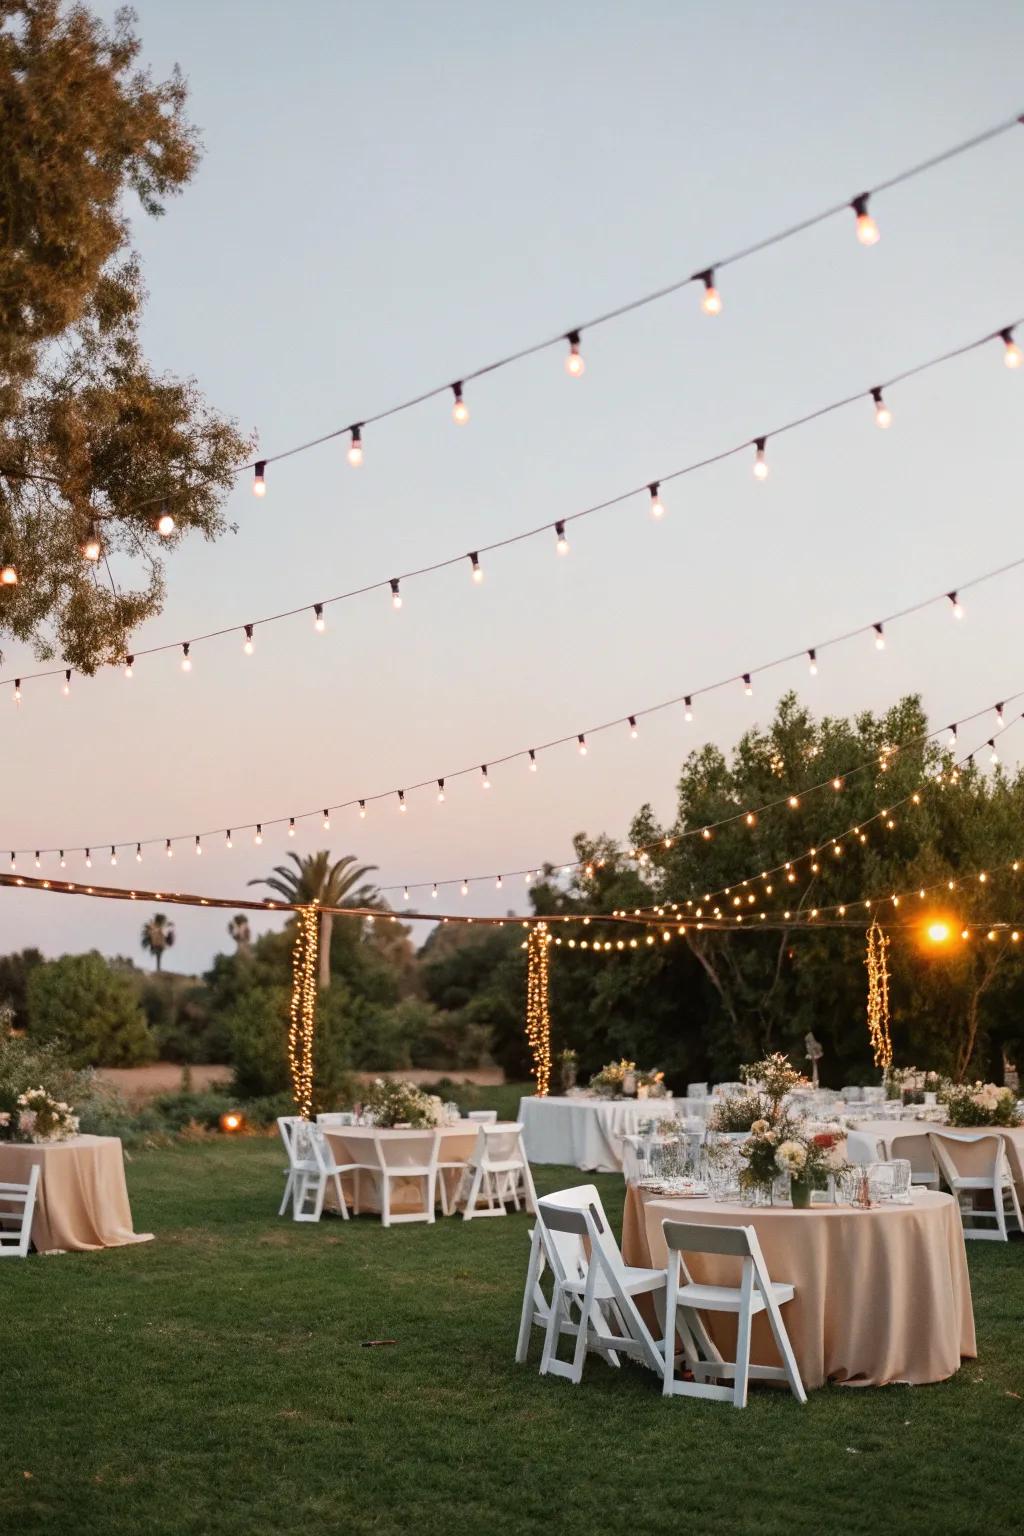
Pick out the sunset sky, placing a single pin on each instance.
(393, 195)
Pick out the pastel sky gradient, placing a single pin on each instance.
(391, 195)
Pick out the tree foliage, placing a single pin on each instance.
(90, 434)
(92, 1009)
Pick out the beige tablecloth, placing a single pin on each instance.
(349, 1143)
(881, 1295)
(82, 1199)
(865, 1134)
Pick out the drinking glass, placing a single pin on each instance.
(880, 1181)
(901, 1179)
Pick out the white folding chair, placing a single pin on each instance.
(484, 1116)
(286, 1126)
(970, 1165)
(17, 1206)
(497, 1170)
(686, 1299)
(592, 1290)
(917, 1151)
(314, 1168)
(405, 1155)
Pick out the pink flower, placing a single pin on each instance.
(27, 1122)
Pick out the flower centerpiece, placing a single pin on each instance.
(767, 1083)
(980, 1104)
(622, 1079)
(403, 1104)
(910, 1084)
(41, 1117)
(568, 1066)
(785, 1145)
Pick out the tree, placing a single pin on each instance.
(91, 438)
(157, 935)
(91, 1009)
(14, 973)
(239, 930)
(316, 881)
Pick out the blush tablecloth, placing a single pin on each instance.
(587, 1133)
(863, 1138)
(353, 1144)
(881, 1295)
(82, 1199)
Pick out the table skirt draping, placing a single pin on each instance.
(881, 1295)
(353, 1144)
(587, 1133)
(82, 1199)
(862, 1141)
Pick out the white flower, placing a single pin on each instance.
(791, 1157)
(759, 1128)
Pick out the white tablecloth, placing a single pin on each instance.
(587, 1133)
(862, 1143)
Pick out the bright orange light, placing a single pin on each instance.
(938, 931)
(232, 1121)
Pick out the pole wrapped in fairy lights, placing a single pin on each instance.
(302, 1014)
(878, 995)
(538, 1016)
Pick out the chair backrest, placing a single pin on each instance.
(483, 1116)
(568, 1245)
(288, 1127)
(915, 1149)
(965, 1156)
(499, 1143)
(682, 1237)
(397, 1149)
(17, 1205)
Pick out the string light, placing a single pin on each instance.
(326, 823)
(484, 778)
(538, 1015)
(562, 543)
(318, 618)
(291, 826)
(92, 548)
(248, 645)
(67, 682)
(186, 660)
(957, 606)
(259, 478)
(867, 229)
(168, 850)
(9, 575)
(993, 754)
(1000, 718)
(883, 415)
(396, 596)
(165, 524)
(258, 838)
(812, 662)
(657, 505)
(434, 891)
(355, 447)
(228, 844)
(687, 708)
(498, 883)
(633, 727)
(748, 687)
(760, 462)
(465, 888)
(460, 410)
(17, 690)
(582, 744)
(440, 791)
(533, 761)
(199, 847)
(401, 802)
(711, 301)
(302, 1009)
(138, 853)
(362, 810)
(129, 663)
(574, 363)
(879, 636)
(477, 573)
(113, 856)
(1012, 356)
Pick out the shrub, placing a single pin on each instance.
(91, 1009)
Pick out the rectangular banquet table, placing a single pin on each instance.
(587, 1133)
(82, 1199)
(862, 1140)
(353, 1144)
(881, 1295)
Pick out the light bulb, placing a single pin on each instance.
(879, 637)
(401, 801)
(497, 884)
(1000, 717)
(485, 781)
(9, 576)
(113, 856)
(993, 754)
(396, 596)
(39, 862)
(318, 618)
(258, 838)
(460, 410)
(168, 849)
(760, 462)
(227, 839)
(355, 447)
(465, 888)
(477, 572)
(633, 727)
(88, 859)
(17, 690)
(67, 682)
(883, 415)
(434, 893)
(248, 647)
(748, 687)
(259, 481)
(867, 229)
(812, 663)
(657, 505)
(1012, 355)
(326, 821)
(63, 860)
(582, 744)
(291, 826)
(687, 708)
(362, 810)
(405, 893)
(138, 853)
(92, 548)
(562, 544)
(165, 525)
(440, 791)
(186, 660)
(711, 300)
(533, 761)
(128, 664)
(952, 735)
(574, 363)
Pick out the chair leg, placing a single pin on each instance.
(469, 1209)
(431, 1193)
(442, 1189)
(785, 1348)
(551, 1332)
(739, 1396)
(385, 1199)
(340, 1194)
(289, 1190)
(579, 1354)
(533, 1273)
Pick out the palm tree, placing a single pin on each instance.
(157, 935)
(239, 930)
(316, 880)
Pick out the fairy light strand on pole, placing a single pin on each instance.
(878, 995)
(538, 1014)
(392, 584)
(302, 1012)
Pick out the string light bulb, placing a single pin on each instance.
(319, 623)
(460, 410)
(533, 761)
(326, 820)
(1012, 355)
(748, 687)
(355, 447)
(434, 891)
(186, 659)
(67, 682)
(88, 858)
(165, 524)
(199, 847)
(710, 299)
(113, 856)
(956, 605)
(476, 568)
(9, 575)
(1000, 717)
(993, 754)
(92, 548)
(401, 802)
(574, 363)
(883, 415)
(440, 791)
(396, 596)
(633, 727)
(953, 735)
(168, 850)
(497, 884)
(657, 505)
(561, 542)
(812, 662)
(867, 229)
(63, 860)
(582, 744)
(259, 478)
(291, 826)
(484, 779)
(129, 663)
(465, 887)
(248, 647)
(138, 853)
(17, 690)
(362, 810)
(879, 637)
(760, 462)
(687, 708)
(258, 836)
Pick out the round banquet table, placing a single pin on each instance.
(864, 1135)
(349, 1145)
(587, 1133)
(82, 1197)
(881, 1295)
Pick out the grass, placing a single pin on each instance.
(214, 1382)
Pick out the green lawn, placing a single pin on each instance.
(214, 1382)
